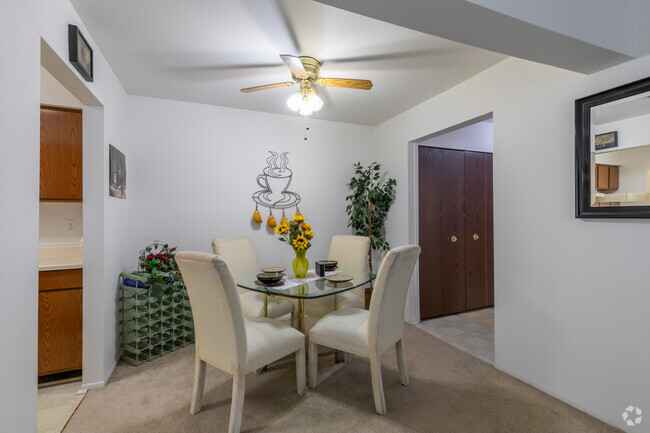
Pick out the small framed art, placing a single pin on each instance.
(606, 141)
(80, 53)
(117, 173)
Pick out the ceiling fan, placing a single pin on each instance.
(304, 71)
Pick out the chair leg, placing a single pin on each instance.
(343, 357)
(377, 386)
(401, 363)
(199, 382)
(300, 371)
(313, 365)
(237, 404)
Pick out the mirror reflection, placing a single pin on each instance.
(620, 152)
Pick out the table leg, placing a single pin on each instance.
(266, 305)
(338, 356)
(301, 316)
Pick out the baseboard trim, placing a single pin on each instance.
(86, 386)
(110, 372)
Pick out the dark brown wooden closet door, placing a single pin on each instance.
(455, 202)
(476, 237)
(442, 261)
(430, 218)
(453, 231)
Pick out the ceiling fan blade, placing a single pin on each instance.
(345, 82)
(267, 86)
(295, 65)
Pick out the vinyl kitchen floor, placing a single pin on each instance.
(471, 332)
(56, 404)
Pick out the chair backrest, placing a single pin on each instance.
(218, 319)
(238, 253)
(352, 253)
(386, 316)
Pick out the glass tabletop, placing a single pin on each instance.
(316, 288)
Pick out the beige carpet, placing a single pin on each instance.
(450, 391)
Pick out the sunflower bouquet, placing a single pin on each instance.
(298, 235)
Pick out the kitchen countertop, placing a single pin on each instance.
(59, 257)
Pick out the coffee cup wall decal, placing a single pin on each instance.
(275, 181)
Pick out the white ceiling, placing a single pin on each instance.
(205, 50)
(580, 35)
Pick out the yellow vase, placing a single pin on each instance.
(300, 264)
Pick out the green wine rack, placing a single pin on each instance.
(152, 327)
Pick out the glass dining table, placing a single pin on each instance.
(303, 289)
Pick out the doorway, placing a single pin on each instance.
(60, 253)
(452, 172)
(69, 84)
(456, 235)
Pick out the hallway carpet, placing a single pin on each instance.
(450, 391)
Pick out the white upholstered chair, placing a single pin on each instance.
(369, 333)
(224, 338)
(240, 255)
(352, 253)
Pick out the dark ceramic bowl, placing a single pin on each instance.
(329, 264)
(270, 277)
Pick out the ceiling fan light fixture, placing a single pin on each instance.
(314, 101)
(295, 101)
(305, 111)
(306, 102)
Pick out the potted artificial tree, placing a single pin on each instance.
(370, 201)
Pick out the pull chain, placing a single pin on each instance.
(306, 127)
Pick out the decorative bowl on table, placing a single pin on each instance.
(274, 269)
(270, 278)
(330, 265)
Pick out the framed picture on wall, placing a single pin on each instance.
(117, 173)
(605, 141)
(79, 52)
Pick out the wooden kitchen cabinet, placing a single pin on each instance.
(60, 323)
(606, 177)
(61, 154)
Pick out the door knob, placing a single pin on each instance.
(475, 236)
(454, 238)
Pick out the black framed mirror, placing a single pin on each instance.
(613, 152)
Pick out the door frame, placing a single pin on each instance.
(93, 163)
(412, 314)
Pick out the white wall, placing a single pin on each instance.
(193, 169)
(632, 132)
(26, 27)
(571, 295)
(19, 171)
(55, 220)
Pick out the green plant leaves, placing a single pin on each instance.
(370, 201)
(162, 270)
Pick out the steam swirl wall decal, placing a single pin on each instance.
(275, 181)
